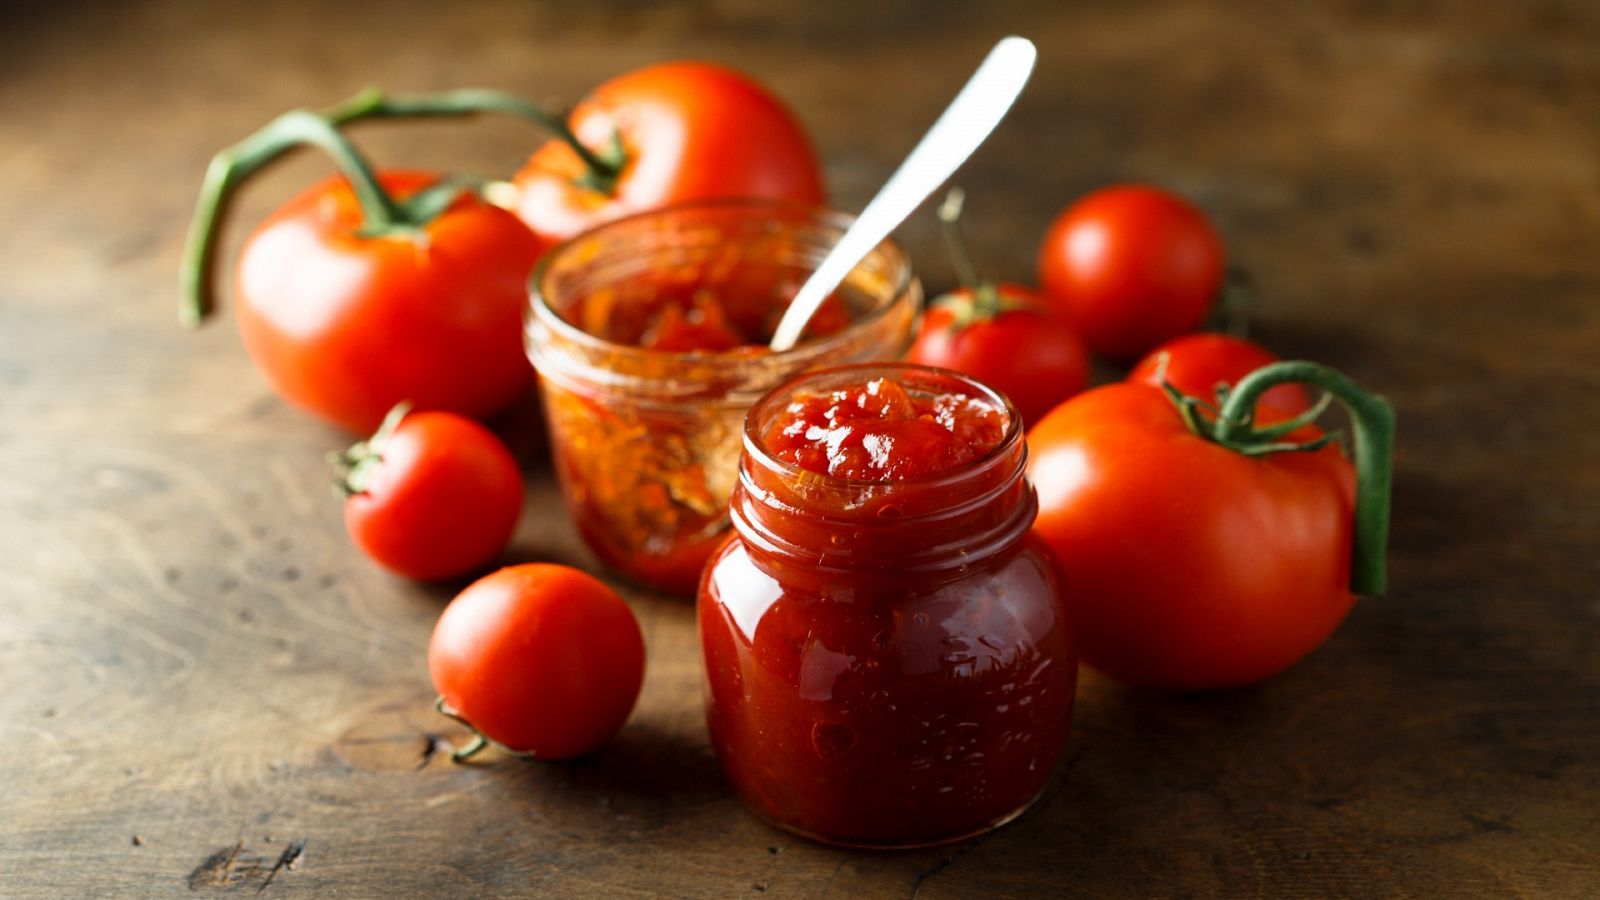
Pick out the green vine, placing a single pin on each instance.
(479, 741)
(381, 214)
(1231, 424)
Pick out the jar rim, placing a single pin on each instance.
(545, 315)
(755, 443)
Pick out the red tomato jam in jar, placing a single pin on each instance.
(888, 659)
(649, 334)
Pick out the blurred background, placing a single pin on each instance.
(196, 656)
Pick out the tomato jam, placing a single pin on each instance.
(879, 431)
(887, 656)
(649, 334)
(683, 315)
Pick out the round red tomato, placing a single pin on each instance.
(346, 326)
(1197, 363)
(1013, 343)
(432, 495)
(687, 131)
(1131, 266)
(541, 659)
(1193, 565)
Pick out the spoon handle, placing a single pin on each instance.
(963, 126)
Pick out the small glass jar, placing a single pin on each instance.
(888, 664)
(645, 442)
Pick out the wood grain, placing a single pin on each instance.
(208, 690)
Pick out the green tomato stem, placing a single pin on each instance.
(381, 214)
(1373, 425)
(955, 241)
(985, 303)
(230, 168)
(353, 467)
(603, 170)
(479, 740)
(471, 749)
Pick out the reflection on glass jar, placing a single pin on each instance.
(888, 663)
(649, 337)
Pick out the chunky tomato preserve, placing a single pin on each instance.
(650, 334)
(887, 657)
(879, 431)
(673, 317)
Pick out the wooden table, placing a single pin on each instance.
(204, 680)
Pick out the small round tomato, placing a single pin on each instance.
(1004, 336)
(541, 659)
(431, 495)
(1196, 364)
(1131, 266)
(1202, 552)
(675, 132)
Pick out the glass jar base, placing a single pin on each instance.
(919, 844)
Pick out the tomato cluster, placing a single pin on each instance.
(1206, 544)
(1210, 534)
(377, 291)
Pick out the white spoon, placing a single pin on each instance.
(964, 125)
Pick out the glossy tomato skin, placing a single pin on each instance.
(1026, 352)
(690, 131)
(443, 501)
(1131, 266)
(541, 658)
(1190, 566)
(1196, 363)
(346, 326)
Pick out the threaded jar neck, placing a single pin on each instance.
(743, 248)
(949, 520)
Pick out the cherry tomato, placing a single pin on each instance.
(347, 326)
(1193, 565)
(1131, 266)
(1012, 342)
(687, 131)
(541, 659)
(1197, 363)
(432, 495)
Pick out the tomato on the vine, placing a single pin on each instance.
(368, 288)
(1002, 334)
(666, 134)
(1197, 364)
(1131, 266)
(347, 326)
(1008, 340)
(542, 659)
(1204, 549)
(431, 495)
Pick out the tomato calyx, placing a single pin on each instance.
(1230, 423)
(602, 168)
(1203, 418)
(983, 300)
(479, 741)
(354, 466)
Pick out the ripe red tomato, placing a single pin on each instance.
(432, 495)
(1015, 345)
(1131, 266)
(541, 659)
(688, 131)
(346, 326)
(1196, 363)
(1193, 565)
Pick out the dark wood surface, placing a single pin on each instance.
(201, 675)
